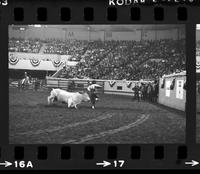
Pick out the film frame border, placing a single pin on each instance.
(178, 152)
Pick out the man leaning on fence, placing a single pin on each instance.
(136, 90)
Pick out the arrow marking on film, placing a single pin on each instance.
(192, 163)
(104, 164)
(6, 164)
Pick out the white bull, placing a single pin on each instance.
(71, 98)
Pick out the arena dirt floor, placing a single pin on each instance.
(116, 119)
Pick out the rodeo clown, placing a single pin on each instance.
(92, 92)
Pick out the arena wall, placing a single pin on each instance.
(26, 64)
(149, 35)
(19, 34)
(98, 35)
(119, 88)
(41, 33)
(45, 62)
(133, 35)
(116, 87)
(175, 98)
(61, 34)
(168, 34)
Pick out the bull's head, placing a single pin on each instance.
(86, 97)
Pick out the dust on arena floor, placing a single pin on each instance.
(116, 119)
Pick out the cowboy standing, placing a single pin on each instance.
(26, 79)
(25, 75)
(136, 90)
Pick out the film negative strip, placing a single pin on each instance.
(111, 84)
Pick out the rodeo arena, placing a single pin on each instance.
(80, 84)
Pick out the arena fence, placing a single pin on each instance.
(14, 83)
(172, 91)
(71, 84)
(118, 87)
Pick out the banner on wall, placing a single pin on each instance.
(56, 63)
(167, 93)
(47, 57)
(128, 84)
(112, 83)
(35, 62)
(179, 89)
(13, 60)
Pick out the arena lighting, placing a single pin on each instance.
(37, 25)
(22, 29)
(198, 26)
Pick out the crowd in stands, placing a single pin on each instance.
(75, 48)
(130, 60)
(27, 46)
